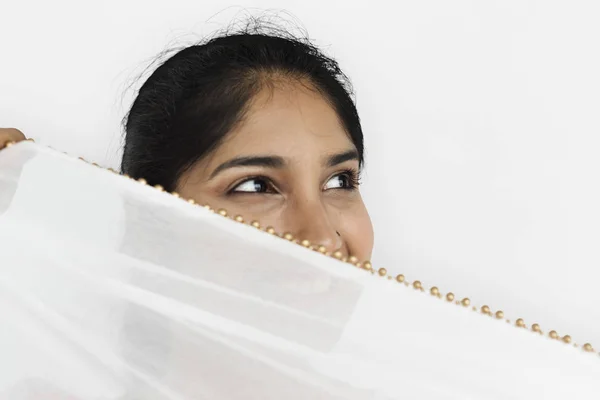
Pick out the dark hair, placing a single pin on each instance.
(192, 100)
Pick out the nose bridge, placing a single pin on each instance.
(314, 223)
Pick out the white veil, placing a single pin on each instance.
(110, 289)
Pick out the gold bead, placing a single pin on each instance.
(159, 188)
(352, 260)
(9, 143)
(553, 334)
(434, 291)
(359, 265)
(536, 328)
(305, 243)
(588, 347)
(366, 265)
(142, 181)
(322, 249)
(126, 176)
(382, 272)
(288, 236)
(270, 230)
(338, 255)
(400, 278)
(450, 296)
(176, 195)
(223, 212)
(520, 323)
(566, 339)
(191, 201)
(465, 302)
(255, 224)
(417, 285)
(207, 207)
(499, 314)
(486, 310)
(239, 218)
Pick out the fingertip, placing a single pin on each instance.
(10, 135)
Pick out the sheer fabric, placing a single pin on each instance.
(110, 289)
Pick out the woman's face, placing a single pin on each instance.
(290, 165)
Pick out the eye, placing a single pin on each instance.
(347, 180)
(254, 185)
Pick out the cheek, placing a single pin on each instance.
(358, 233)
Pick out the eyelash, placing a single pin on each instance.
(353, 176)
(267, 181)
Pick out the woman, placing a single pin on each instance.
(262, 125)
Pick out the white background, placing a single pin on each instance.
(481, 119)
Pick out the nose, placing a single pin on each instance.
(313, 222)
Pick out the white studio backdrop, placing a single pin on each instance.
(481, 118)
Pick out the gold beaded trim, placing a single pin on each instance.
(364, 265)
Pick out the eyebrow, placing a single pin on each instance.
(278, 162)
(260, 161)
(340, 158)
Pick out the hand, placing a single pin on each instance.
(10, 182)
(10, 135)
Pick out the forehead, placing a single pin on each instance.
(291, 120)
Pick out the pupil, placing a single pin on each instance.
(259, 186)
(343, 179)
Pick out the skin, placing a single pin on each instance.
(288, 164)
(10, 134)
(295, 171)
